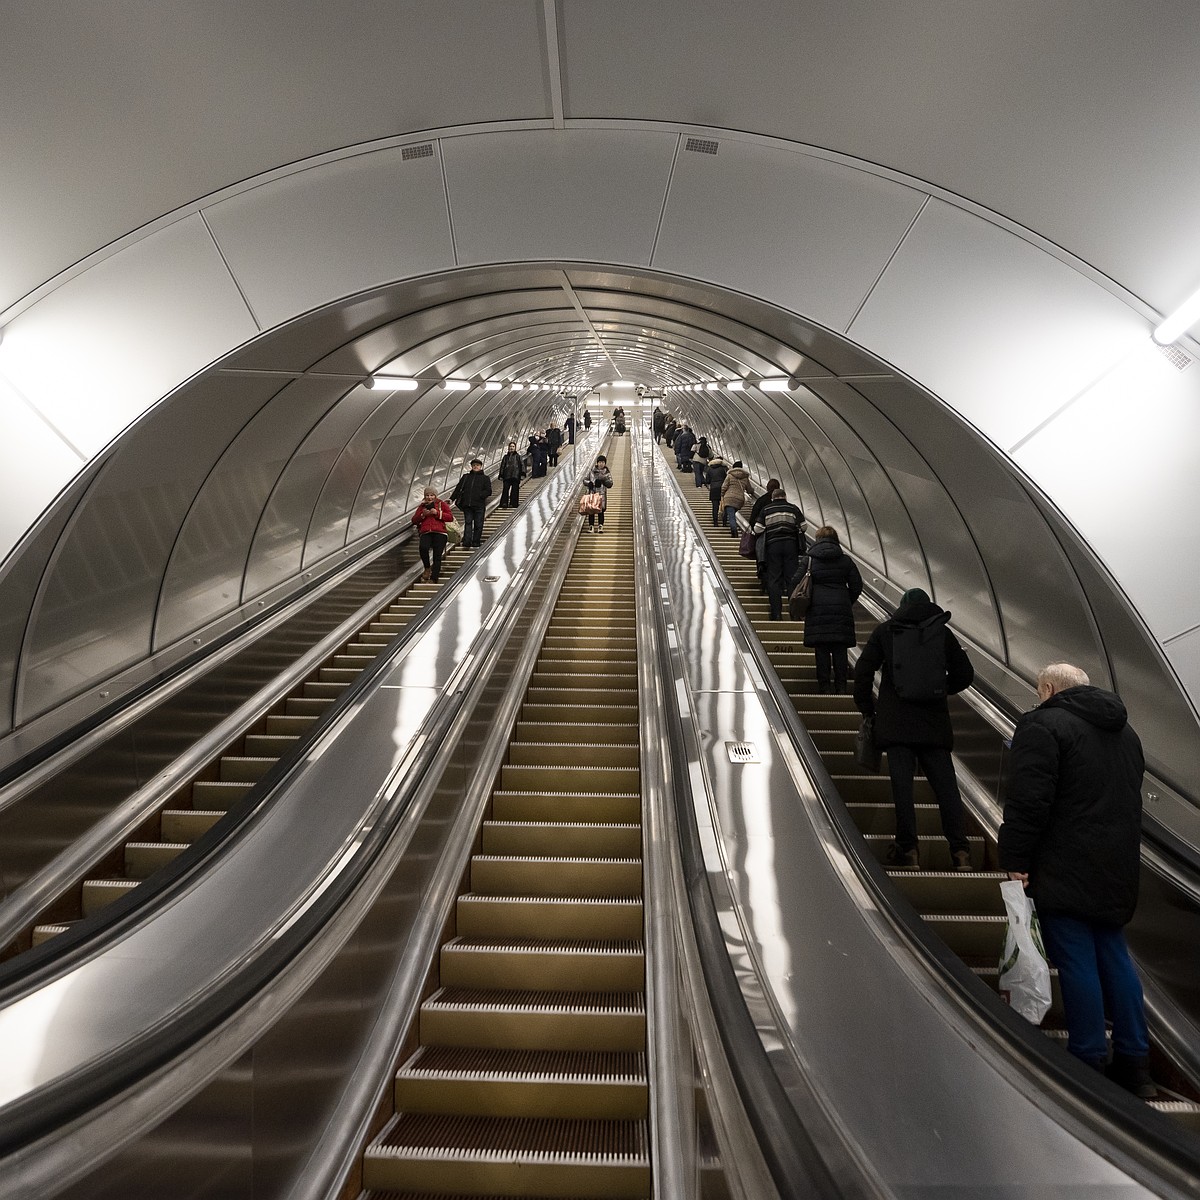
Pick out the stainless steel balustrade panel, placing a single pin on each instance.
(231, 911)
(921, 1101)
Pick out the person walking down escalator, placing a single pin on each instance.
(539, 456)
(921, 665)
(431, 518)
(658, 423)
(829, 624)
(780, 529)
(554, 439)
(512, 471)
(715, 475)
(471, 494)
(587, 420)
(734, 492)
(597, 482)
(700, 456)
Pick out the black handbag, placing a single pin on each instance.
(801, 595)
(866, 754)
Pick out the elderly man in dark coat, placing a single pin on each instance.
(1072, 834)
(916, 730)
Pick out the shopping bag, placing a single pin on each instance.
(453, 532)
(1024, 972)
(746, 545)
(865, 753)
(593, 502)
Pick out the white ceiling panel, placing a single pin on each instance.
(586, 195)
(999, 329)
(803, 232)
(334, 230)
(107, 344)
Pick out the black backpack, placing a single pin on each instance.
(919, 659)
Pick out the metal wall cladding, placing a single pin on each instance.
(94, 612)
(277, 551)
(810, 234)
(331, 230)
(591, 195)
(203, 580)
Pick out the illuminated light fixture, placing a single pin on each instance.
(711, 387)
(492, 386)
(456, 385)
(622, 383)
(517, 387)
(391, 383)
(735, 385)
(1179, 322)
(774, 385)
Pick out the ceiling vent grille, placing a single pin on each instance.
(700, 145)
(424, 150)
(1179, 359)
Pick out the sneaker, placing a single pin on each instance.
(909, 860)
(962, 860)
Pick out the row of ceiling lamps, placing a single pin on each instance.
(406, 383)
(738, 385)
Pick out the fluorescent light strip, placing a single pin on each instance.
(391, 383)
(1179, 322)
(735, 385)
(774, 385)
(711, 387)
(456, 385)
(492, 386)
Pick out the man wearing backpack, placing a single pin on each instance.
(922, 664)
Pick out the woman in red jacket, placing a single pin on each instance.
(431, 518)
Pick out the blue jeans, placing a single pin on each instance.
(1096, 973)
(731, 519)
(698, 469)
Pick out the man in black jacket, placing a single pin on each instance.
(471, 494)
(1072, 834)
(512, 471)
(916, 730)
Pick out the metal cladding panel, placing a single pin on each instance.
(930, 515)
(1184, 653)
(591, 195)
(1122, 462)
(803, 232)
(94, 612)
(327, 531)
(204, 577)
(334, 230)
(100, 349)
(1000, 329)
(277, 550)
(1024, 560)
(35, 464)
(366, 513)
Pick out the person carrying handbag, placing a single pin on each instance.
(597, 482)
(431, 518)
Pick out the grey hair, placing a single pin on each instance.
(779, 494)
(1062, 675)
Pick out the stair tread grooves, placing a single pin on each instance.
(518, 1000)
(542, 1138)
(458, 1061)
(556, 858)
(624, 825)
(598, 946)
(490, 898)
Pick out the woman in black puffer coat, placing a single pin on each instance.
(829, 625)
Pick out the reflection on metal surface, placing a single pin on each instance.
(742, 752)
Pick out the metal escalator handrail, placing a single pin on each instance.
(1161, 1150)
(89, 1087)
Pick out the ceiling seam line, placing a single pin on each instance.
(449, 208)
(225, 262)
(890, 259)
(45, 420)
(662, 212)
(553, 62)
(1182, 633)
(574, 299)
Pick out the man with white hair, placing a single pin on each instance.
(1072, 834)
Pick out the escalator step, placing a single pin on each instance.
(512, 875)
(564, 965)
(612, 917)
(590, 838)
(554, 804)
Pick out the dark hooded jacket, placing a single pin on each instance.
(1073, 806)
(908, 722)
(836, 584)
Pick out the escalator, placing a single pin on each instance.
(965, 910)
(530, 1073)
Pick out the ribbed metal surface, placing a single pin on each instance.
(515, 1000)
(526, 1138)
(549, 946)
(527, 1064)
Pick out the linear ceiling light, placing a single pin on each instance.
(1179, 322)
(456, 385)
(391, 383)
(774, 385)
(492, 386)
(517, 387)
(711, 387)
(735, 385)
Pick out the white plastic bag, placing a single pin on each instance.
(1024, 972)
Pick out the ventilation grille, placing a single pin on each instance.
(741, 752)
(424, 150)
(700, 146)
(1179, 359)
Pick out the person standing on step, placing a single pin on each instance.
(587, 420)
(1072, 835)
(658, 423)
(760, 545)
(921, 665)
(685, 443)
(700, 457)
(569, 425)
(715, 474)
(539, 456)
(598, 479)
(829, 623)
(431, 518)
(554, 438)
(736, 488)
(471, 494)
(780, 530)
(512, 471)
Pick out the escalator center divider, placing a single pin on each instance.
(530, 1075)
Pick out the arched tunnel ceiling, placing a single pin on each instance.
(278, 460)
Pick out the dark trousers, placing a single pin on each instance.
(780, 563)
(510, 493)
(714, 494)
(473, 524)
(552, 455)
(833, 665)
(698, 470)
(1096, 975)
(432, 545)
(939, 770)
